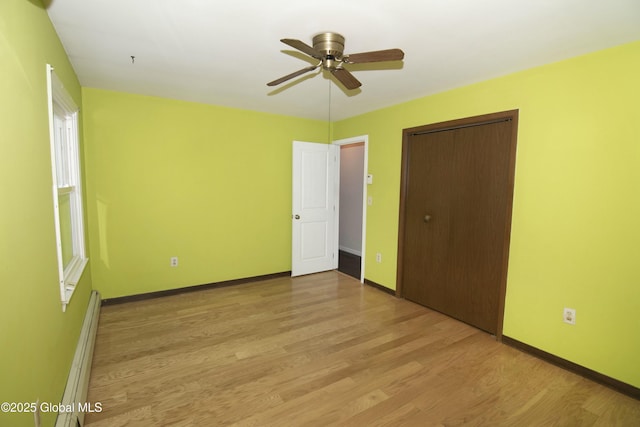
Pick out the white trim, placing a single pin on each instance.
(59, 93)
(62, 109)
(350, 251)
(355, 140)
(335, 152)
(56, 213)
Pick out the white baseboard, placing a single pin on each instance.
(75, 393)
(349, 250)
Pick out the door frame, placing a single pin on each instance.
(449, 125)
(347, 141)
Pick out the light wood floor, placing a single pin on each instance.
(323, 350)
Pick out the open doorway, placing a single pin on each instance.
(352, 213)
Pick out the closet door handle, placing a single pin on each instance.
(427, 218)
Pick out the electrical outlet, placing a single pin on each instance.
(174, 261)
(569, 316)
(378, 257)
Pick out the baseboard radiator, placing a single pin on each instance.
(75, 393)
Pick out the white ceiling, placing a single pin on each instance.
(224, 52)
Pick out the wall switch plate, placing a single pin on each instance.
(174, 261)
(369, 179)
(378, 257)
(569, 316)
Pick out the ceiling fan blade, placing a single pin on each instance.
(292, 75)
(375, 56)
(346, 78)
(302, 47)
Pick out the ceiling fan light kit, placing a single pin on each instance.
(331, 46)
(328, 48)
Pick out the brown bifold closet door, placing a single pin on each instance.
(456, 217)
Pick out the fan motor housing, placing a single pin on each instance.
(329, 44)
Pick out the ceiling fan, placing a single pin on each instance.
(328, 48)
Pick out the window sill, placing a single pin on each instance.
(72, 276)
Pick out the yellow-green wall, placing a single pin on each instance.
(37, 340)
(575, 236)
(210, 185)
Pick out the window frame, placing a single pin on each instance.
(66, 176)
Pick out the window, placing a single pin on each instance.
(67, 191)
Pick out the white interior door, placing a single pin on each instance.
(315, 211)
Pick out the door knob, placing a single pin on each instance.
(427, 218)
(297, 216)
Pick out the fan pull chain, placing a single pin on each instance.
(329, 120)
